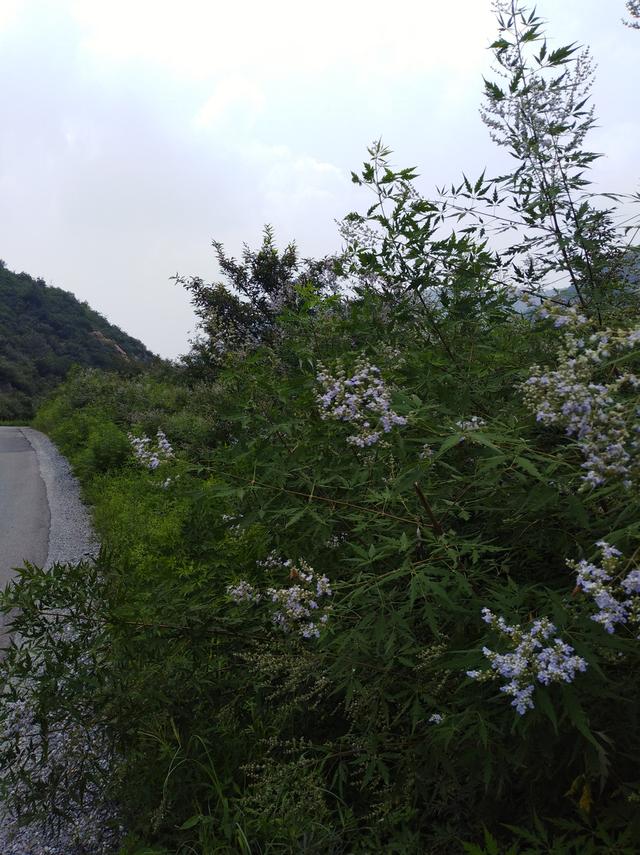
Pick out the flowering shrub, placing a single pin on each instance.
(211, 668)
(362, 400)
(214, 633)
(301, 607)
(530, 661)
(614, 592)
(604, 417)
(151, 455)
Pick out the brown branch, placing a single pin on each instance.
(331, 501)
(434, 521)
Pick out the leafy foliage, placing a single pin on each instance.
(243, 315)
(231, 729)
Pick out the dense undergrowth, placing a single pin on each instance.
(378, 591)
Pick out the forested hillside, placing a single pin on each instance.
(43, 332)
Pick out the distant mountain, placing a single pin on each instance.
(43, 332)
(626, 271)
(626, 289)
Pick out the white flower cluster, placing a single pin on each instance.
(362, 400)
(473, 423)
(336, 540)
(301, 607)
(273, 561)
(530, 660)
(602, 417)
(148, 454)
(616, 594)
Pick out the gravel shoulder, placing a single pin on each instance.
(71, 536)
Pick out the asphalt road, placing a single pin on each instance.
(24, 509)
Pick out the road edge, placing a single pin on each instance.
(71, 535)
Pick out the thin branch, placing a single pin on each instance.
(434, 521)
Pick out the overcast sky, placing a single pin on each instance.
(132, 132)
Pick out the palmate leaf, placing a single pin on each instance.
(493, 91)
(562, 55)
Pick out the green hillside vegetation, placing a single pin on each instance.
(44, 331)
(370, 577)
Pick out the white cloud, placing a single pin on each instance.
(295, 178)
(202, 38)
(234, 97)
(9, 12)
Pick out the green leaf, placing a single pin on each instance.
(544, 703)
(491, 844)
(577, 716)
(478, 185)
(493, 91)
(448, 443)
(562, 55)
(528, 466)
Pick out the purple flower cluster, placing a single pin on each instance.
(243, 592)
(616, 595)
(531, 659)
(602, 417)
(561, 316)
(362, 400)
(301, 607)
(148, 454)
